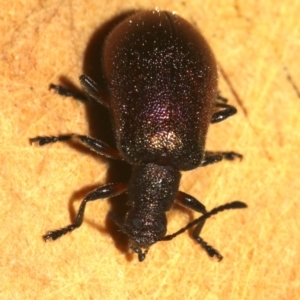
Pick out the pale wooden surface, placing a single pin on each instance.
(257, 46)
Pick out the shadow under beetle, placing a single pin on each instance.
(161, 87)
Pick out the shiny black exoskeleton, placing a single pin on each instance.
(161, 87)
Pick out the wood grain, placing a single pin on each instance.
(257, 49)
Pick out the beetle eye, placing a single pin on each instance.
(159, 227)
(136, 223)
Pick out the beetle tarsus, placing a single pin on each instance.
(63, 91)
(43, 140)
(54, 235)
(214, 157)
(212, 252)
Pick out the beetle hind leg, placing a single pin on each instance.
(90, 88)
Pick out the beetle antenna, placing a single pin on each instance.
(214, 211)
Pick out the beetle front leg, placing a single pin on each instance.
(214, 157)
(107, 191)
(190, 202)
(199, 223)
(92, 143)
(208, 248)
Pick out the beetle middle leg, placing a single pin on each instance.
(214, 157)
(107, 191)
(94, 144)
(225, 112)
(90, 88)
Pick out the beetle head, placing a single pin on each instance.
(143, 229)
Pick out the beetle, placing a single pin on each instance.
(161, 87)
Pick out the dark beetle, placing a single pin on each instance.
(161, 86)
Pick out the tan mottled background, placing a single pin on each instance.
(257, 48)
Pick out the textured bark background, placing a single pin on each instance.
(257, 49)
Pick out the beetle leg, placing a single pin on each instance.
(214, 157)
(91, 88)
(196, 234)
(208, 248)
(199, 222)
(190, 202)
(107, 191)
(221, 99)
(94, 144)
(221, 115)
(63, 91)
